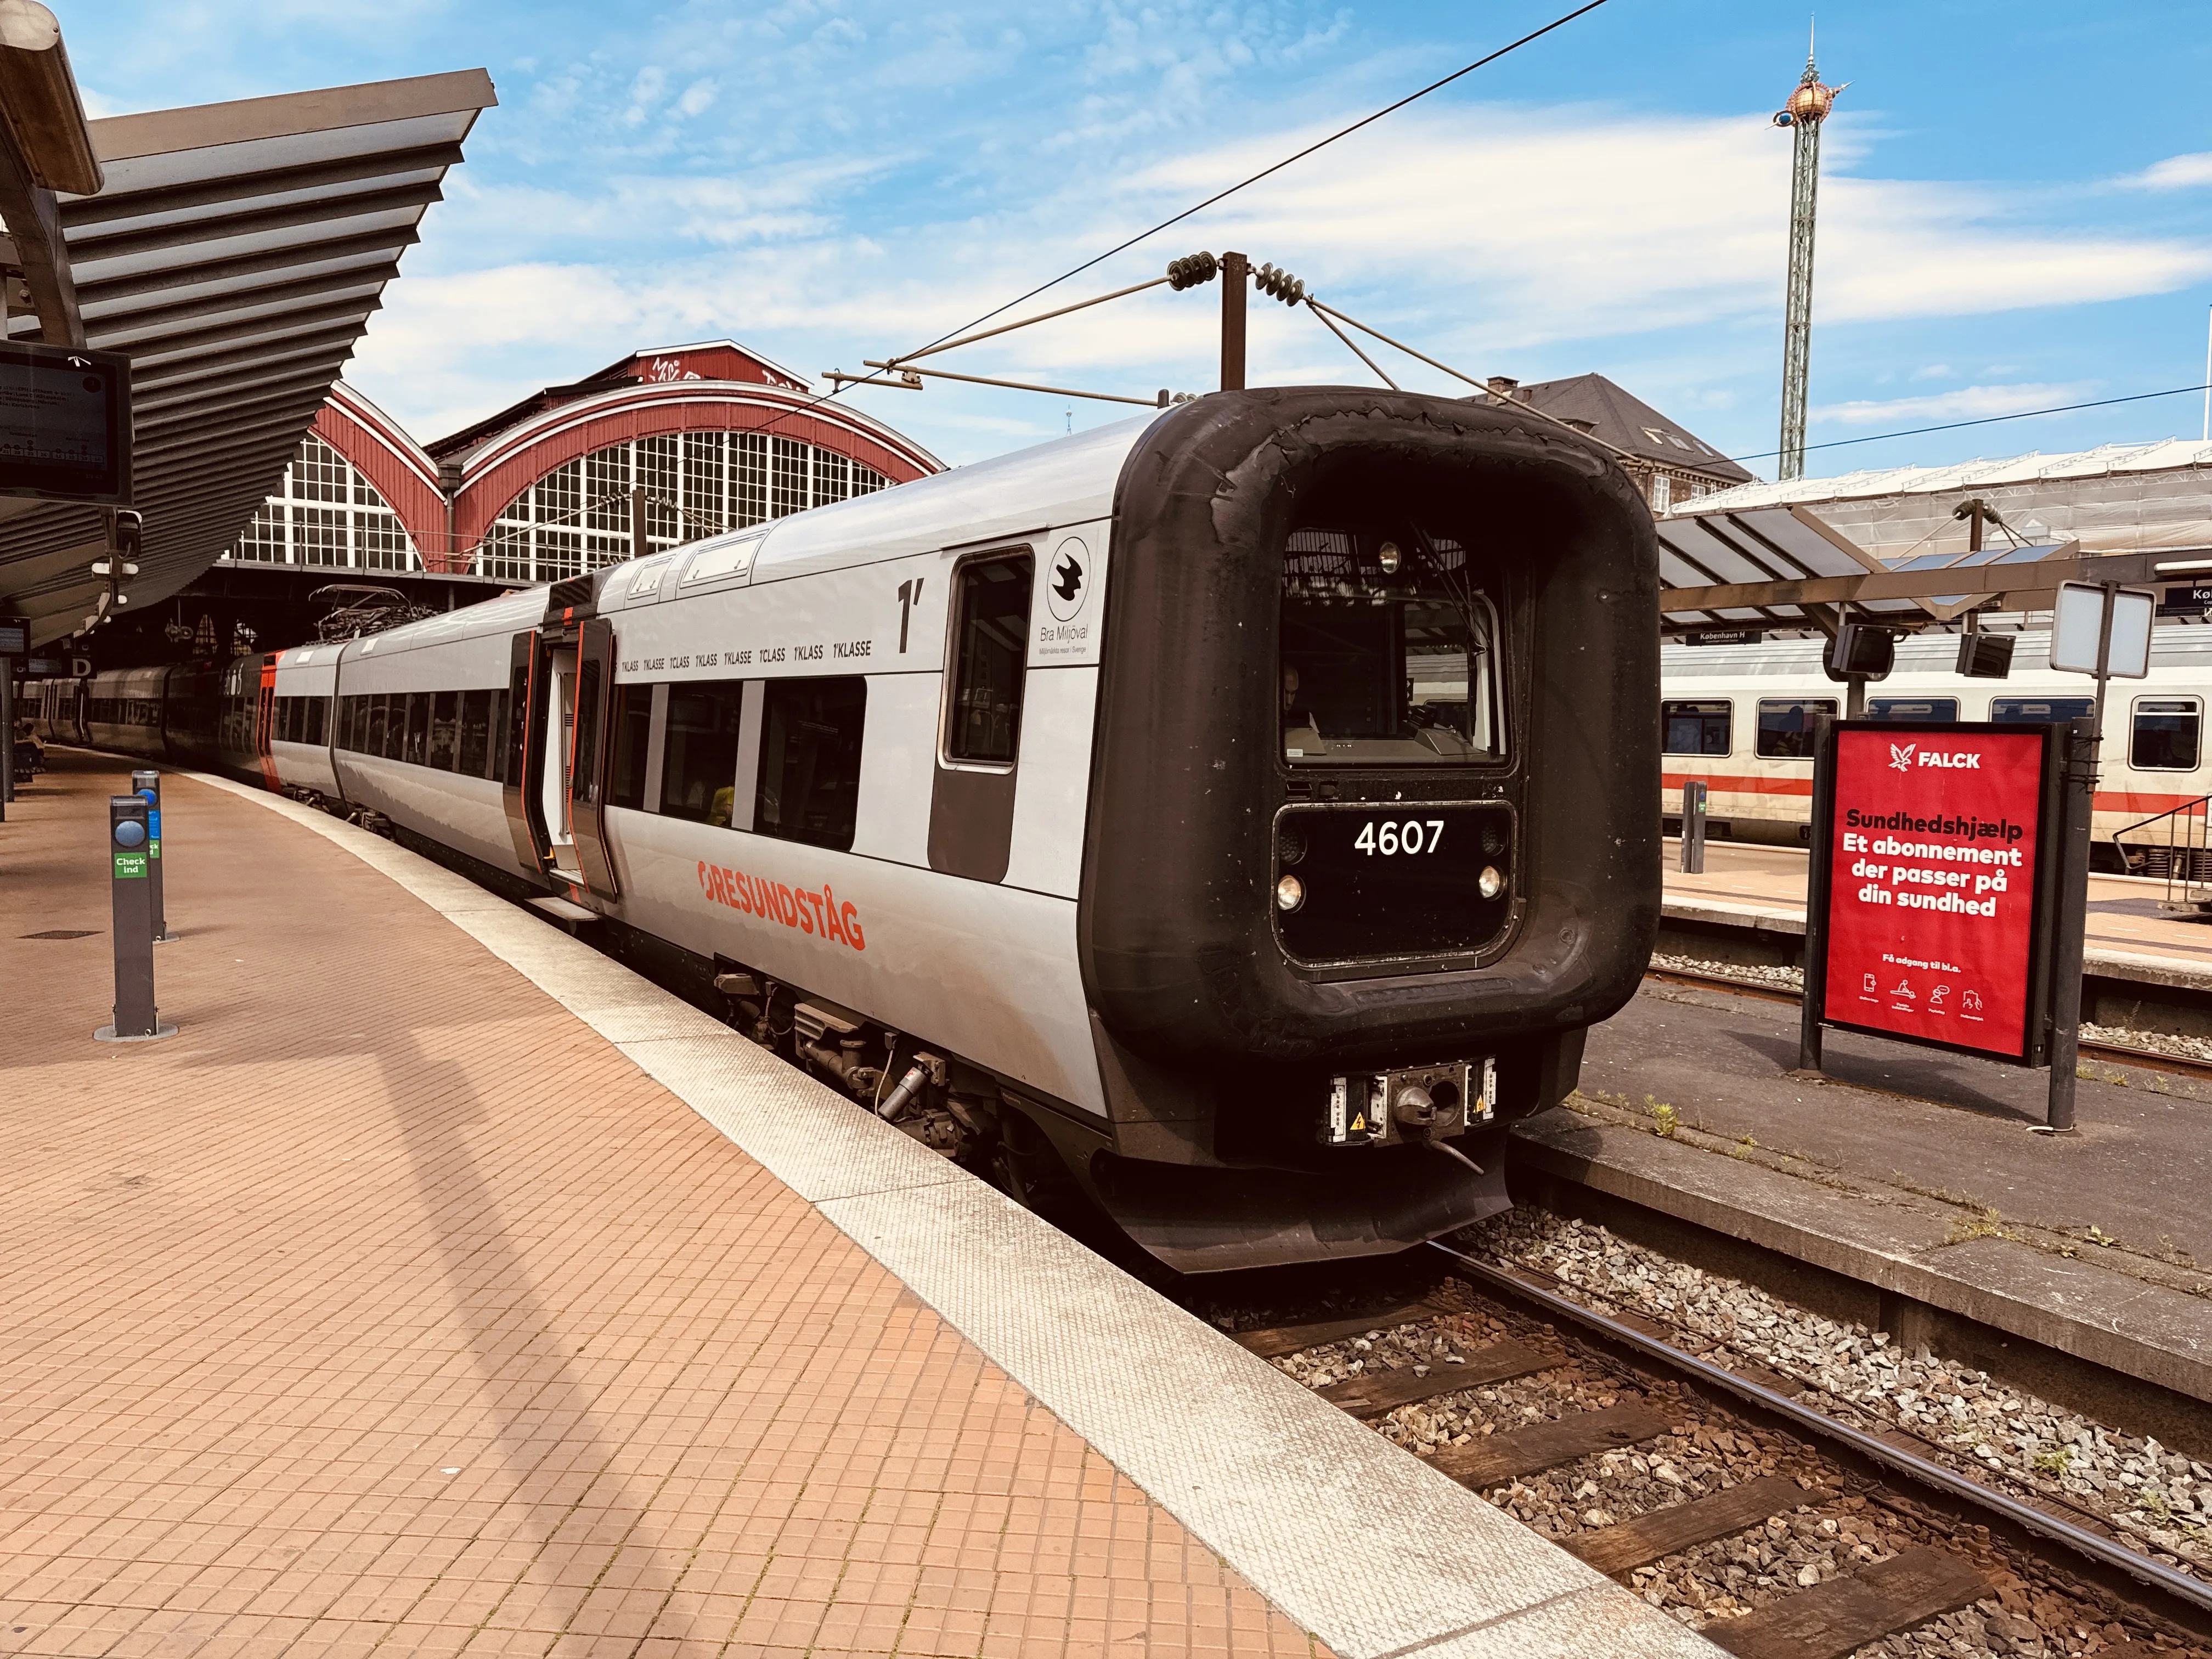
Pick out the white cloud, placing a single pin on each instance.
(842, 214)
(1967, 403)
(2175, 172)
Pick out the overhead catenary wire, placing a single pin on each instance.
(1219, 196)
(1352, 346)
(1041, 316)
(1016, 386)
(1326, 312)
(1990, 420)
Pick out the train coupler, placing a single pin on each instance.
(1420, 1102)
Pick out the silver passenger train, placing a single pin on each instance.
(1232, 817)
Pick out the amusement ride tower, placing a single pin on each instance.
(1806, 111)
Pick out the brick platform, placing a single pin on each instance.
(387, 1307)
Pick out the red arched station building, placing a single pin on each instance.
(715, 436)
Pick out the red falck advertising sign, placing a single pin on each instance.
(1934, 855)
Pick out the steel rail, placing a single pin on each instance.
(2142, 1568)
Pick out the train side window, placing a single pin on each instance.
(630, 723)
(417, 752)
(990, 651)
(501, 751)
(2042, 708)
(445, 728)
(475, 733)
(1786, 726)
(2167, 734)
(809, 767)
(395, 725)
(318, 717)
(1698, 728)
(347, 710)
(699, 771)
(1912, 708)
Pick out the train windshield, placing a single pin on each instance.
(1389, 652)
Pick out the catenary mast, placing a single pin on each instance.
(1806, 111)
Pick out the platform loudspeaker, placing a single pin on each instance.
(1986, 656)
(1862, 652)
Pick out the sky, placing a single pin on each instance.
(2015, 201)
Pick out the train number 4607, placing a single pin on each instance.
(1414, 835)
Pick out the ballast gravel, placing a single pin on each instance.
(1831, 1533)
(2160, 1500)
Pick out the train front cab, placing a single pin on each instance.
(1372, 818)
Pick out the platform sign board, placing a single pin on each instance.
(2192, 600)
(65, 425)
(1935, 865)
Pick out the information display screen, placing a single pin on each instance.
(1935, 855)
(65, 425)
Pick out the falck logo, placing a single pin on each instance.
(1900, 756)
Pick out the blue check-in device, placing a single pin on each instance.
(147, 783)
(130, 889)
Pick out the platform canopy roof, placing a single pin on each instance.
(235, 253)
(1785, 566)
(2117, 498)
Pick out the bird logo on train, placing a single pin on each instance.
(1065, 587)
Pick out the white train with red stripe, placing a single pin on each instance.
(1231, 818)
(1739, 718)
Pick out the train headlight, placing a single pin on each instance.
(1491, 883)
(1290, 893)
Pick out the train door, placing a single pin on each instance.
(264, 720)
(521, 790)
(971, 808)
(588, 739)
(558, 719)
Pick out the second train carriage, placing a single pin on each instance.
(1739, 718)
(1241, 811)
(216, 717)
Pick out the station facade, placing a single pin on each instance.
(681, 443)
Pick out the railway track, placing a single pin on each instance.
(2116, 1054)
(1716, 1491)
